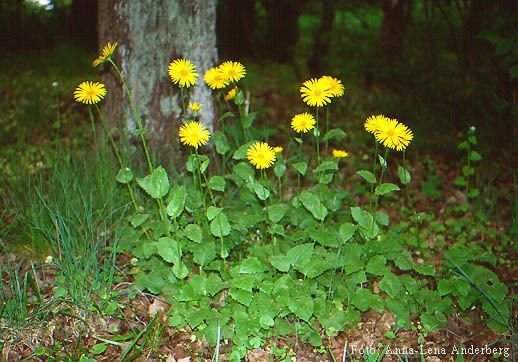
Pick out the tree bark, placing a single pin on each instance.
(396, 16)
(150, 34)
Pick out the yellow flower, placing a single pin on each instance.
(315, 93)
(393, 134)
(106, 54)
(195, 107)
(194, 134)
(340, 153)
(231, 94)
(232, 71)
(277, 149)
(90, 92)
(182, 72)
(335, 86)
(215, 79)
(261, 155)
(303, 122)
(373, 123)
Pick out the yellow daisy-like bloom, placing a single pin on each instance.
(261, 155)
(315, 93)
(182, 72)
(335, 86)
(340, 153)
(374, 123)
(195, 107)
(215, 79)
(393, 134)
(90, 92)
(106, 54)
(277, 149)
(303, 122)
(231, 94)
(194, 134)
(232, 71)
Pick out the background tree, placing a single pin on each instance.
(150, 35)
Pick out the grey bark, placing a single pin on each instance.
(150, 34)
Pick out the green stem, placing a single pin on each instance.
(135, 114)
(374, 164)
(383, 167)
(92, 123)
(117, 154)
(183, 103)
(327, 124)
(317, 136)
(206, 181)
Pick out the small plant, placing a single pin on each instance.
(468, 169)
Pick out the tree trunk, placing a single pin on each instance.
(150, 34)
(322, 41)
(396, 16)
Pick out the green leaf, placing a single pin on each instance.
(367, 176)
(193, 232)
(220, 226)
(241, 151)
(241, 296)
(168, 249)
(204, 253)
(313, 204)
(382, 218)
(277, 212)
(221, 142)
(155, 184)
(383, 162)
(280, 262)
(124, 175)
(475, 156)
(324, 237)
(460, 181)
(463, 145)
(386, 188)
(327, 166)
(251, 265)
(177, 203)
(301, 167)
(266, 321)
(390, 284)
(138, 219)
(261, 191)
(404, 175)
(180, 270)
(279, 169)
(99, 348)
(347, 231)
(334, 133)
(376, 265)
(468, 171)
(300, 254)
(473, 193)
(302, 307)
(362, 298)
(248, 120)
(217, 183)
(213, 211)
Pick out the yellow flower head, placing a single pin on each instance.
(231, 94)
(393, 134)
(261, 155)
(277, 149)
(195, 107)
(194, 134)
(374, 123)
(335, 86)
(106, 54)
(340, 153)
(303, 122)
(315, 93)
(215, 79)
(232, 71)
(182, 72)
(90, 92)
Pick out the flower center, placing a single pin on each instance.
(317, 92)
(184, 72)
(391, 133)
